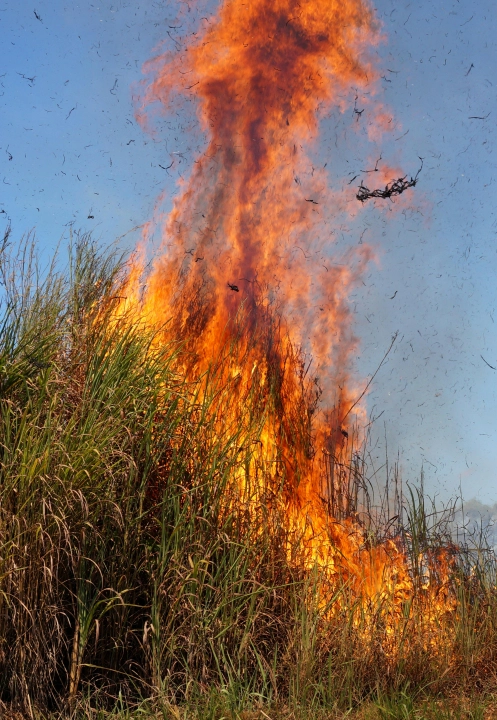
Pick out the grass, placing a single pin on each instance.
(147, 568)
(218, 707)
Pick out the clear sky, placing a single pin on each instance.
(72, 155)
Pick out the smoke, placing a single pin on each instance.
(478, 522)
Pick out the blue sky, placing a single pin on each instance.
(70, 148)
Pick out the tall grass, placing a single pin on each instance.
(131, 565)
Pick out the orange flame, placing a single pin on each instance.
(246, 254)
(251, 212)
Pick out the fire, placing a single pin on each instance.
(250, 215)
(246, 278)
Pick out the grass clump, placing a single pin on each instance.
(142, 555)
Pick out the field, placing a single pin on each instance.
(163, 556)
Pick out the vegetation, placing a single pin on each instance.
(136, 581)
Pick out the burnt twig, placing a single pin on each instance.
(396, 187)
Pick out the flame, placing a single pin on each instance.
(246, 277)
(261, 72)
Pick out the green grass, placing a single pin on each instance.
(136, 580)
(218, 707)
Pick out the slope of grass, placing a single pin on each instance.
(131, 565)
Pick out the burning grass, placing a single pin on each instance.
(185, 514)
(159, 537)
